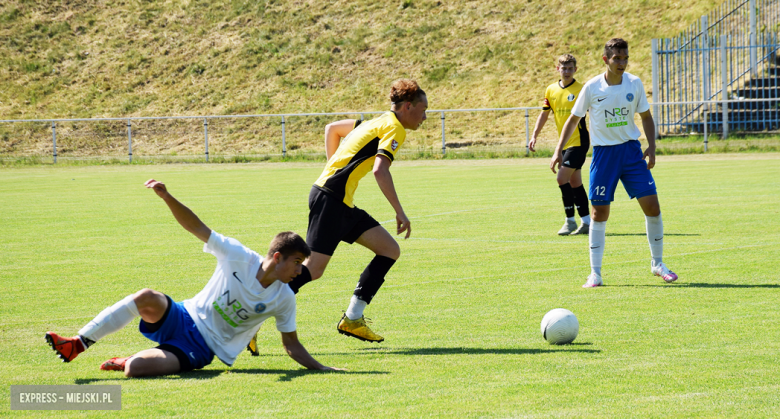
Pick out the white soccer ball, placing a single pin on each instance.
(560, 326)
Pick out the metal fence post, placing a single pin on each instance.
(206, 136)
(527, 144)
(753, 34)
(284, 140)
(705, 59)
(443, 143)
(705, 126)
(129, 142)
(724, 81)
(54, 139)
(656, 93)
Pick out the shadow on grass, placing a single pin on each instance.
(699, 285)
(645, 234)
(705, 285)
(484, 351)
(288, 375)
(284, 375)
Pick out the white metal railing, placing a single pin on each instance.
(730, 50)
(708, 109)
(724, 113)
(283, 118)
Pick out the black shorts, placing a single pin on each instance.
(574, 157)
(332, 221)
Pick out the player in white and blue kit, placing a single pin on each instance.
(612, 99)
(244, 291)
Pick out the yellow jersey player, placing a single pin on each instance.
(370, 147)
(559, 98)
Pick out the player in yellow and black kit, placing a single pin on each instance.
(370, 147)
(559, 98)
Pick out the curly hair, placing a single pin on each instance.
(566, 59)
(288, 243)
(405, 90)
(613, 45)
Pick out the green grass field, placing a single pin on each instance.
(460, 310)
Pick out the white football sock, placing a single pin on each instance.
(598, 231)
(571, 219)
(585, 219)
(655, 236)
(356, 307)
(110, 320)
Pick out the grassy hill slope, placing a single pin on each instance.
(115, 58)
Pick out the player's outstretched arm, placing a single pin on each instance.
(298, 353)
(649, 126)
(183, 215)
(334, 132)
(385, 181)
(566, 133)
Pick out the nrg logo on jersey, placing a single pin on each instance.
(617, 117)
(231, 310)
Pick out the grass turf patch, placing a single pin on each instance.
(460, 311)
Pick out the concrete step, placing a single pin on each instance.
(765, 82)
(733, 126)
(746, 115)
(758, 93)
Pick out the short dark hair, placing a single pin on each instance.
(288, 243)
(405, 90)
(566, 59)
(613, 45)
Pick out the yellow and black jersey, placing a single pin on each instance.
(356, 154)
(561, 101)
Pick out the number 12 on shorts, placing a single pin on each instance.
(601, 190)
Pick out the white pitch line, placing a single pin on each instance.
(555, 269)
(497, 275)
(453, 212)
(495, 241)
(561, 242)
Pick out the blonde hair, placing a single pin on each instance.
(567, 58)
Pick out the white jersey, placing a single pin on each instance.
(612, 109)
(232, 306)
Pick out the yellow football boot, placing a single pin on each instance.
(252, 347)
(358, 329)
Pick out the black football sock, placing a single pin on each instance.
(581, 201)
(568, 199)
(373, 277)
(86, 341)
(300, 280)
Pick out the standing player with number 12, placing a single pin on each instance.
(613, 98)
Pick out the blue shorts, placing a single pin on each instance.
(622, 162)
(177, 333)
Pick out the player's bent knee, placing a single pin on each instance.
(145, 295)
(150, 303)
(316, 271)
(316, 274)
(397, 252)
(389, 248)
(316, 264)
(130, 370)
